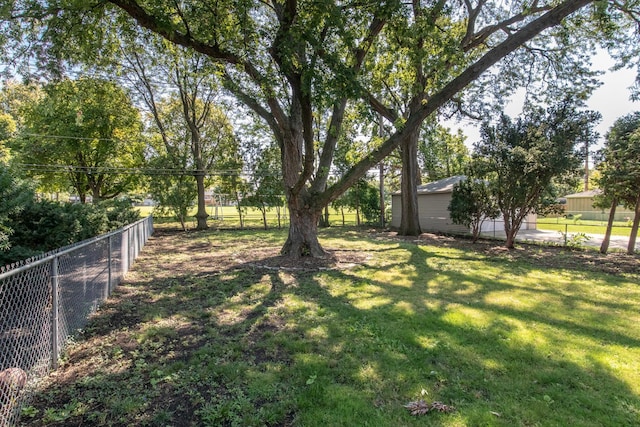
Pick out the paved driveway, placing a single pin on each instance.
(549, 236)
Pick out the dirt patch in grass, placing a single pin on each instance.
(268, 256)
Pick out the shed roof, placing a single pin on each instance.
(442, 186)
(584, 194)
(437, 187)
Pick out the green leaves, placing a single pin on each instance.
(521, 158)
(90, 124)
(620, 168)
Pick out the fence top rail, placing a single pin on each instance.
(63, 251)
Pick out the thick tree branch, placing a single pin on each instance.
(152, 23)
(339, 107)
(513, 42)
(326, 157)
(390, 114)
(253, 104)
(472, 40)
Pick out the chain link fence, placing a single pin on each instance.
(46, 300)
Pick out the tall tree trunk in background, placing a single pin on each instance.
(631, 248)
(201, 215)
(324, 218)
(279, 217)
(263, 209)
(410, 217)
(382, 208)
(604, 246)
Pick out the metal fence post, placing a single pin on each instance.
(107, 290)
(55, 303)
(566, 233)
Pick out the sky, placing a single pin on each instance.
(611, 100)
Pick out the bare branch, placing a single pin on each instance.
(472, 40)
(182, 18)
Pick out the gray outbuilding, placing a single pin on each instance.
(433, 207)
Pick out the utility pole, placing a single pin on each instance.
(586, 165)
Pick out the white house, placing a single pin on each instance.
(433, 208)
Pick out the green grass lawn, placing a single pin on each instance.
(228, 217)
(620, 228)
(205, 332)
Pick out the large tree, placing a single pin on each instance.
(520, 158)
(195, 131)
(620, 173)
(85, 134)
(291, 61)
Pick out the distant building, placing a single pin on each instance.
(582, 204)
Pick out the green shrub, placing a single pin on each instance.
(42, 225)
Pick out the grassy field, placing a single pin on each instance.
(228, 217)
(620, 228)
(208, 330)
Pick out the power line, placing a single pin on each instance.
(80, 138)
(127, 170)
(148, 171)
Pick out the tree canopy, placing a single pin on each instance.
(83, 134)
(299, 64)
(620, 172)
(520, 158)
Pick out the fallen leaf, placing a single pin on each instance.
(420, 407)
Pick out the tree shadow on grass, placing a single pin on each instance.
(234, 344)
(499, 364)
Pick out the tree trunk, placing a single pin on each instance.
(586, 165)
(264, 216)
(410, 218)
(95, 196)
(324, 218)
(240, 217)
(278, 214)
(511, 239)
(509, 231)
(604, 246)
(381, 189)
(475, 230)
(631, 248)
(303, 231)
(201, 215)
